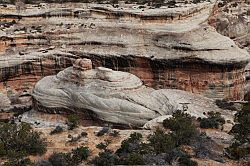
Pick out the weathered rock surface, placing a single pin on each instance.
(101, 93)
(112, 96)
(197, 106)
(165, 47)
(232, 19)
(4, 101)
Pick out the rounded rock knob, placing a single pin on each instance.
(83, 64)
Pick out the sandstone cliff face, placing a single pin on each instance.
(112, 96)
(232, 19)
(166, 48)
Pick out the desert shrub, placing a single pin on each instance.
(238, 150)
(159, 149)
(153, 159)
(225, 104)
(3, 151)
(80, 154)
(182, 127)
(161, 142)
(58, 159)
(132, 144)
(18, 162)
(106, 158)
(74, 158)
(73, 121)
(214, 120)
(241, 131)
(180, 157)
(18, 141)
(135, 159)
(132, 149)
(57, 130)
(43, 163)
(103, 145)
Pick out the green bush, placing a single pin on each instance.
(74, 158)
(159, 148)
(80, 154)
(180, 157)
(58, 159)
(106, 158)
(182, 127)
(103, 145)
(73, 121)
(19, 162)
(214, 120)
(132, 144)
(20, 140)
(225, 104)
(135, 159)
(161, 142)
(3, 151)
(237, 151)
(241, 131)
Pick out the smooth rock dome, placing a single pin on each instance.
(114, 96)
(111, 96)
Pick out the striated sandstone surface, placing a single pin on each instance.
(100, 93)
(164, 47)
(113, 96)
(232, 19)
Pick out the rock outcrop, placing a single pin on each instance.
(164, 47)
(4, 101)
(111, 96)
(101, 93)
(232, 19)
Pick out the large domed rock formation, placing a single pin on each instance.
(111, 96)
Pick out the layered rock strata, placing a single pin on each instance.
(112, 96)
(232, 19)
(165, 47)
(102, 93)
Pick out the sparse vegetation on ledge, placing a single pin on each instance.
(214, 120)
(74, 158)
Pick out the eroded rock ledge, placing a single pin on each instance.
(111, 96)
(165, 48)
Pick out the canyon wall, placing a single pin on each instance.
(165, 47)
(232, 19)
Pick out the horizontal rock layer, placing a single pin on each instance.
(166, 48)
